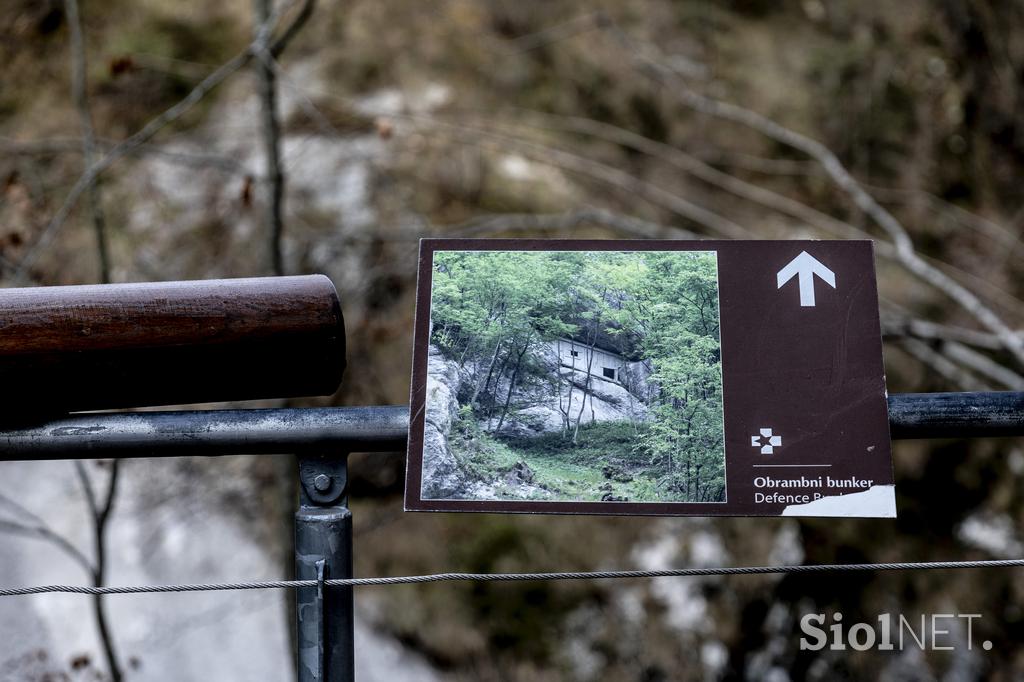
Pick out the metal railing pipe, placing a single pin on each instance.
(384, 428)
(210, 433)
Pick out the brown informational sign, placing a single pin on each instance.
(698, 378)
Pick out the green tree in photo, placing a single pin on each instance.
(679, 299)
(489, 310)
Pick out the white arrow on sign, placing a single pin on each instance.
(806, 266)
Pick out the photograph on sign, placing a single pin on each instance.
(648, 378)
(588, 376)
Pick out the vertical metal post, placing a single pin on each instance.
(323, 550)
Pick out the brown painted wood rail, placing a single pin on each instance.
(69, 348)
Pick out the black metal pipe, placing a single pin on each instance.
(325, 629)
(384, 429)
(324, 616)
(211, 432)
(956, 415)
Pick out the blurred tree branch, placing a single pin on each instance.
(303, 14)
(656, 195)
(1002, 235)
(266, 52)
(121, 150)
(561, 222)
(894, 326)
(597, 170)
(143, 135)
(273, 178)
(79, 90)
(954, 361)
(833, 167)
(33, 526)
(58, 145)
(982, 365)
(100, 516)
(758, 194)
(464, 133)
(99, 512)
(930, 357)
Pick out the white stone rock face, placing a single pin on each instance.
(600, 400)
(441, 476)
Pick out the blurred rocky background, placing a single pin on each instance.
(246, 138)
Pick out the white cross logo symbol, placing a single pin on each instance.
(767, 441)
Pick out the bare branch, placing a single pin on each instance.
(123, 148)
(954, 343)
(967, 278)
(983, 365)
(712, 176)
(703, 171)
(301, 17)
(832, 166)
(744, 190)
(184, 68)
(758, 164)
(656, 195)
(100, 515)
(266, 52)
(304, 101)
(588, 167)
(34, 526)
(45, 533)
(108, 503)
(721, 180)
(22, 511)
(463, 133)
(87, 489)
(942, 365)
(271, 133)
(1003, 235)
(561, 222)
(80, 96)
(549, 34)
(72, 144)
(898, 327)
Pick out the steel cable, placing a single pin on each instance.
(505, 577)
